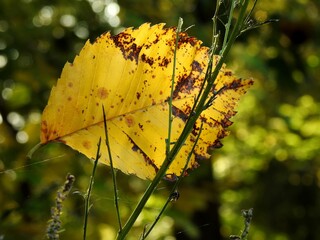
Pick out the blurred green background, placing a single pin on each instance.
(270, 162)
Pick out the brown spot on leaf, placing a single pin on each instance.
(186, 83)
(226, 122)
(196, 66)
(69, 98)
(184, 38)
(70, 84)
(129, 120)
(179, 113)
(149, 161)
(138, 95)
(125, 42)
(44, 130)
(102, 93)
(135, 148)
(86, 144)
(147, 59)
(165, 61)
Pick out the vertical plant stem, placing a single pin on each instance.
(168, 140)
(215, 33)
(189, 124)
(228, 25)
(113, 173)
(237, 28)
(88, 193)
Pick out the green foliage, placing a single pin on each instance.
(269, 162)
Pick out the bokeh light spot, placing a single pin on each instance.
(112, 9)
(81, 32)
(22, 137)
(3, 61)
(7, 93)
(16, 120)
(68, 20)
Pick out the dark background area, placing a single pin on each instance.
(270, 162)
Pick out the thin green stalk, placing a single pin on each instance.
(250, 24)
(251, 11)
(237, 28)
(215, 33)
(88, 194)
(228, 25)
(168, 140)
(188, 127)
(113, 173)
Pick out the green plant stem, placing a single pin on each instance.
(113, 173)
(88, 193)
(215, 33)
(168, 140)
(237, 28)
(228, 25)
(189, 125)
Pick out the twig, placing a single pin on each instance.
(247, 215)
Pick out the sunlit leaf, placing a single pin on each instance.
(130, 75)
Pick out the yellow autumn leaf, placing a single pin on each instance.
(130, 75)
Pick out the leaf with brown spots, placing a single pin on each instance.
(130, 74)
